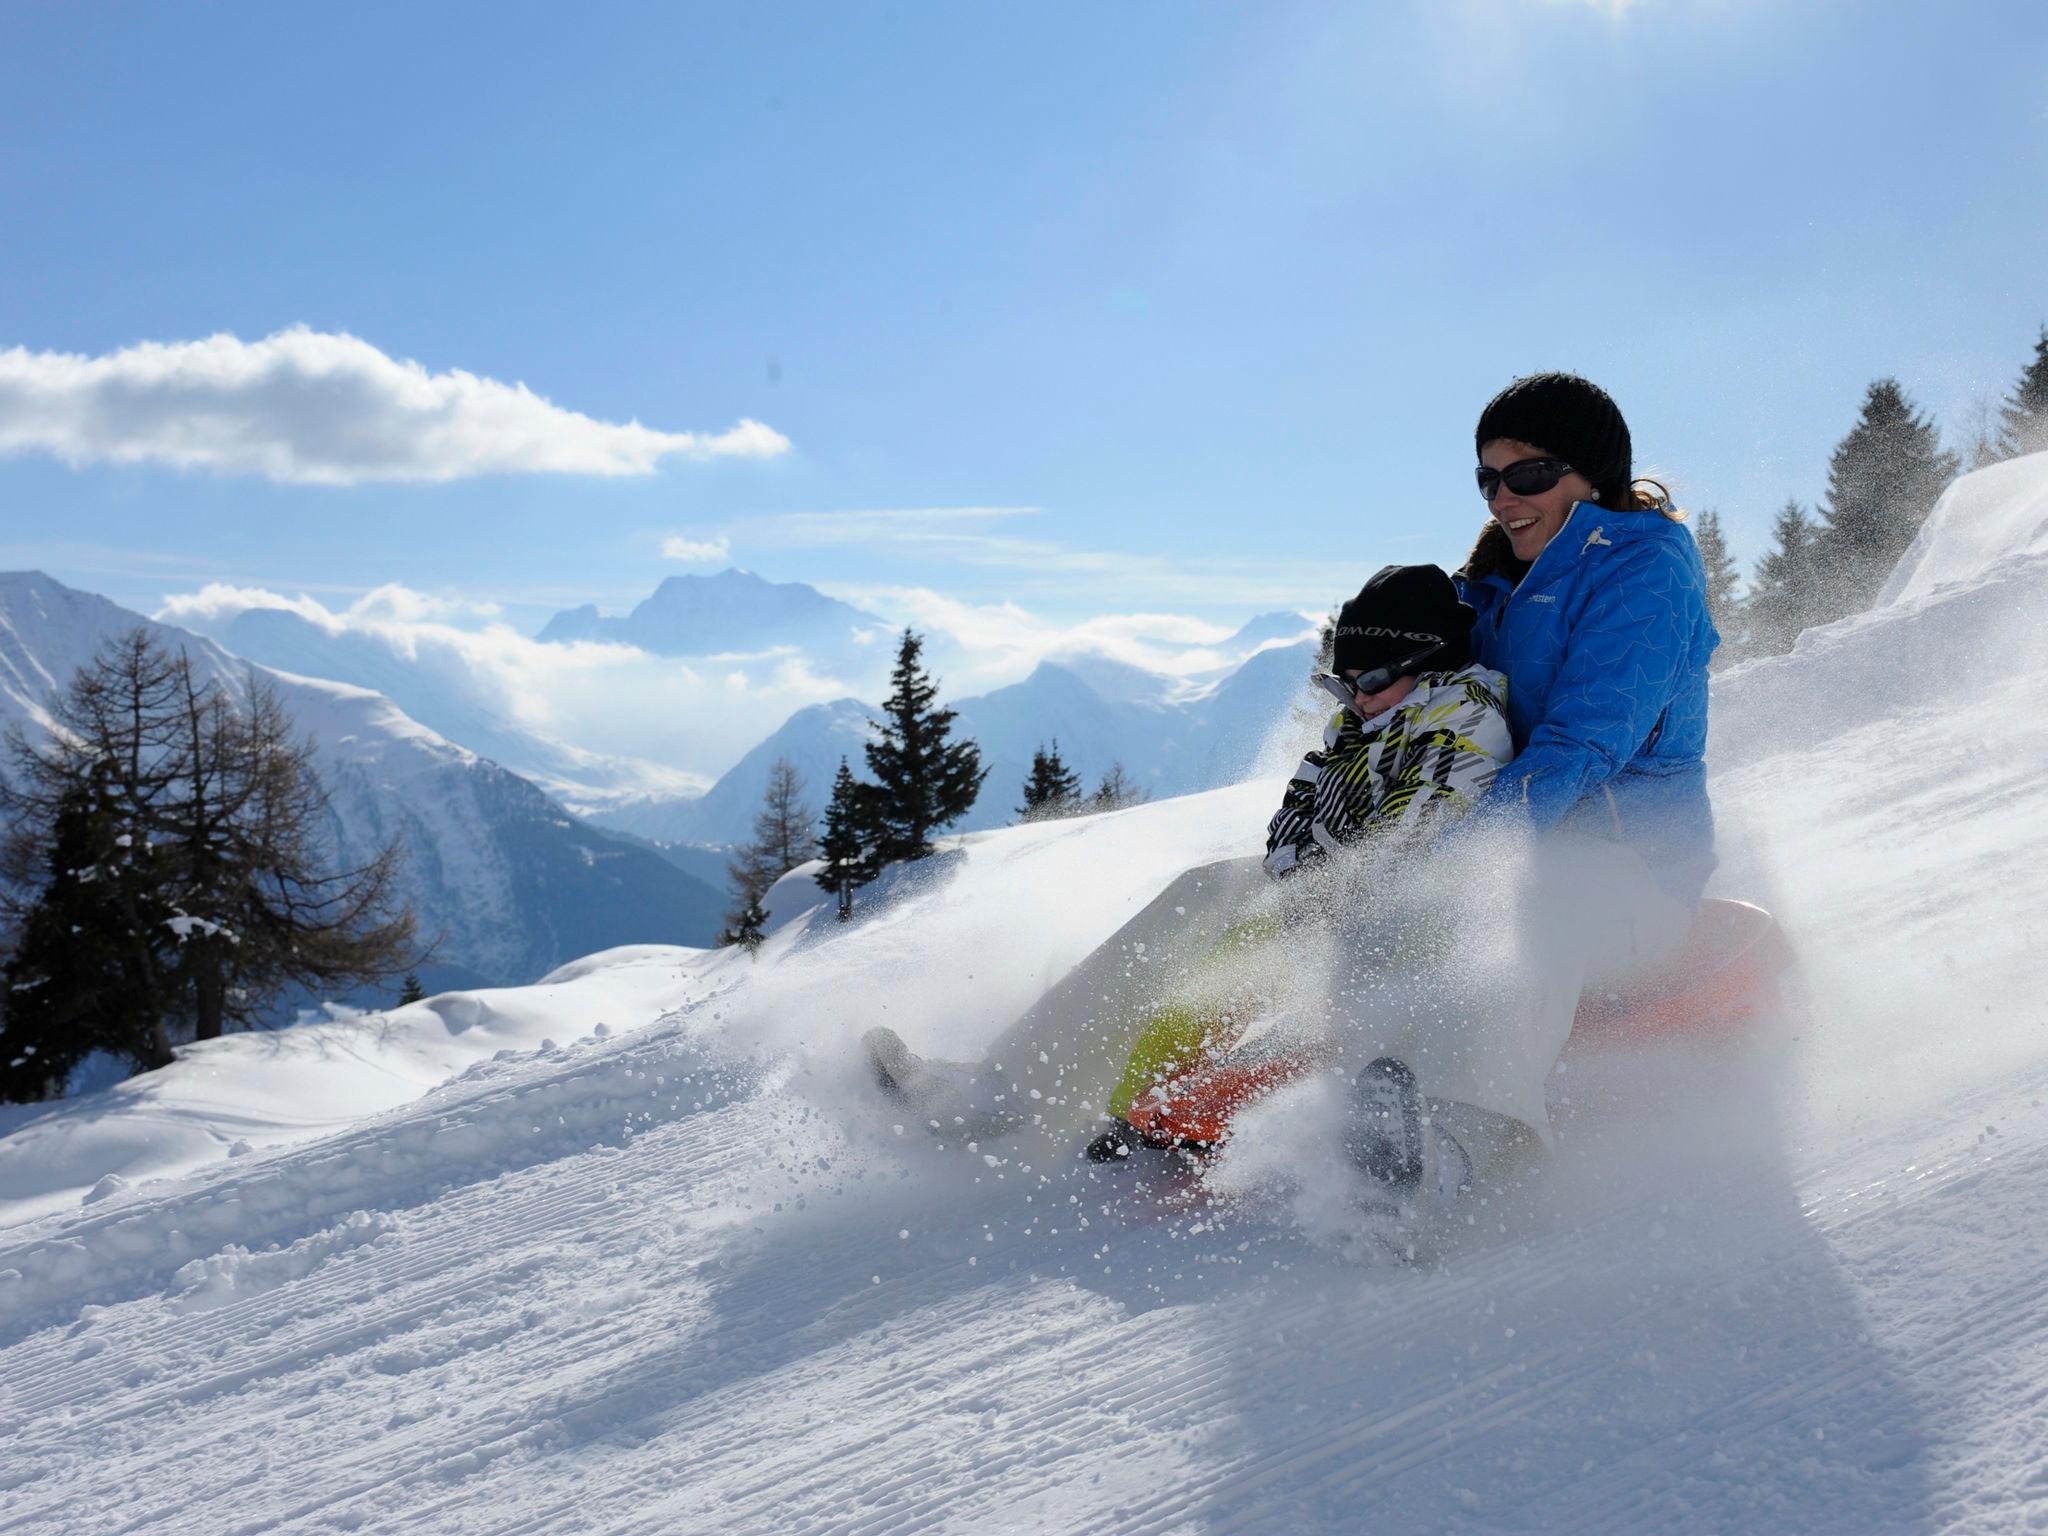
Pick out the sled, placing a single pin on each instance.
(1715, 989)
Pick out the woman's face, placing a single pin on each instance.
(1531, 521)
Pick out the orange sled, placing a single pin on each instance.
(1724, 979)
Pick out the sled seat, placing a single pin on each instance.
(1724, 978)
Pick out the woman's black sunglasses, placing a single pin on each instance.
(1525, 477)
(1345, 689)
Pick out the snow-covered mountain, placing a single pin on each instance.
(1172, 737)
(638, 1248)
(439, 688)
(734, 611)
(511, 883)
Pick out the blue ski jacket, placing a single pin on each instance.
(1605, 645)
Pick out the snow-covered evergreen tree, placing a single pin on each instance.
(1784, 598)
(1051, 789)
(84, 973)
(1882, 482)
(1724, 600)
(746, 927)
(2023, 419)
(923, 780)
(848, 844)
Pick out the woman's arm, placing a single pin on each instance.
(1624, 661)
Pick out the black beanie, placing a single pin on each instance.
(1399, 611)
(1569, 418)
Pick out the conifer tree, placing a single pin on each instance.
(2023, 419)
(747, 926)
(847, 847)
(1784, 598)
(411, 991)
(84, 972)
(1117, 790)
(1724, 603)
(923, 781)
(1882, 482)
(1052, 789)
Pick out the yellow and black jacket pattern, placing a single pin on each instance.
(1437, 750)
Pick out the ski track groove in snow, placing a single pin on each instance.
(178, 1349)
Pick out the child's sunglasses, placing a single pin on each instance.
(1346, 690)
(1525, 477)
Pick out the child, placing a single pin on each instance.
(1423, 730)
(1421, 735)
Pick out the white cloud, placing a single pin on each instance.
(698, 551)
(391, 604)
(317, 408)
(985, 645)
(612, 699)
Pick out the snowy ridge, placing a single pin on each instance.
(695, 1275)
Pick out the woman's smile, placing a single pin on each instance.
(1531, 521)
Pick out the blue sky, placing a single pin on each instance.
(1164, 308)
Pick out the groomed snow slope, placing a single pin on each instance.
(687, 1275)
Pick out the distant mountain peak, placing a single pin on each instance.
(730, 611)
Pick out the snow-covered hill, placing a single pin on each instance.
(690, 1274)
(512, 884)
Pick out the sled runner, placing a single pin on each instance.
(1715, 988)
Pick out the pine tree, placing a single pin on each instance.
(746, 927)
(1117, 790)
(1784, 599)
(1882, 482)
(1052, 789)
(1724, 603)
(412, 991)
(847, 847)
(2023, 419)
(83, 975)
(922, 781)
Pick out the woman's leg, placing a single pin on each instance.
(1482, 1024)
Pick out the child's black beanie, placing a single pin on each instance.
(1402, 609)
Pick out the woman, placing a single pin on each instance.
(1591, 599)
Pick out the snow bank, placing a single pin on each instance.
(224, 1098)
(1983, 521)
